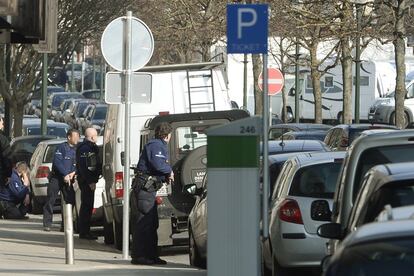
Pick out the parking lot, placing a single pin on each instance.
(27, 250)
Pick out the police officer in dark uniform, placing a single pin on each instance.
(88, 170)
(14, 196)
(61, 177)
(5, 156)
(153, 168)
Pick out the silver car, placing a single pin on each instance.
(305, 186)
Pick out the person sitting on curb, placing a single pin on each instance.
(14, 196)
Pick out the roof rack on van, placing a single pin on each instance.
(184, 66)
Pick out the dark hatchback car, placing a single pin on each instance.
(22, 147)
(380, 248)
(341, 136)
(275, 131)
(304, 135)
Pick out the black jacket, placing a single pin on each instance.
(88, 163)
(5, 158)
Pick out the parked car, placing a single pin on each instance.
(379, 248)
(33, 107)
(389, 184)
(22, 147)
(305, 185)
(275, 131)
(41, 165)
(278, 147)
(341, 136)
(197, 224)
(95, 117)
(33, 127)
(367, 151)
(56, 99)
(383, 109)
(76, 111)
(304, 135)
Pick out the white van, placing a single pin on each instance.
(181, 88)
(377, 79)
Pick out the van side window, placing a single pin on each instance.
(143, 141)
(329, 82)
(410, 92)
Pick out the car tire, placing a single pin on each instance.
(406, 119)
(117, 229)
(277, 269)
(37, 207)
(108, 232)
(195, 259)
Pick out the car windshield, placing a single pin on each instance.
(100, 113)
(381, 155)
(81, 108)
(55, 131)
(190, 138)
(386, 257)
(317, 181)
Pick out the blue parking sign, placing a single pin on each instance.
(247, 29)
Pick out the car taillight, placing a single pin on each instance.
(119, 184)
(158, 200)
(42, 172)
(289, 211)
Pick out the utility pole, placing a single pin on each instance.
(245, 82)
(43, 120)
(297, 88)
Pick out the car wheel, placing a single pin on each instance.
(277, 269)
(117, 229)
(37, 207)
(195, 259)
(406, 119)
(108, 232)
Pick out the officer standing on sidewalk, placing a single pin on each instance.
(61, 177)
(88, 170)
(153, 169)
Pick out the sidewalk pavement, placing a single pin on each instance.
(25, 249)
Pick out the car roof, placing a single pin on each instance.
(388, 173)
(281, 158)
(368, 126)
(305, 159)
(32, 137)
(50, 123)
(301, 126)
(295, 145)
(226, 114)
(306, 132)
(377, 231)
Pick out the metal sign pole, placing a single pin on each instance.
(127, 85)
(265, 162)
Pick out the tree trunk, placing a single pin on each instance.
(399, 48)
(316, 84)
(346, 62)
(258, 95)
(17, 111)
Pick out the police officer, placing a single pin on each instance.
(5, 156)
(14, 196)
(152, 164)
(88, 170)
(61, 177)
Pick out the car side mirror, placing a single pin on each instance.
(192, 189)
(330, 231)
(320, 210)
(292, 91)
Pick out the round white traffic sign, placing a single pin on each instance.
(112, 44)
(275, 81)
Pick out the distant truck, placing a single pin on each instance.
(377, 79)
(184, 88)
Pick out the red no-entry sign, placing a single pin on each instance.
(276, 81)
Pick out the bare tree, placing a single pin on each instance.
(78, 20)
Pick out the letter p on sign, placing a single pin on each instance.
(241, 23)
(247, 28)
